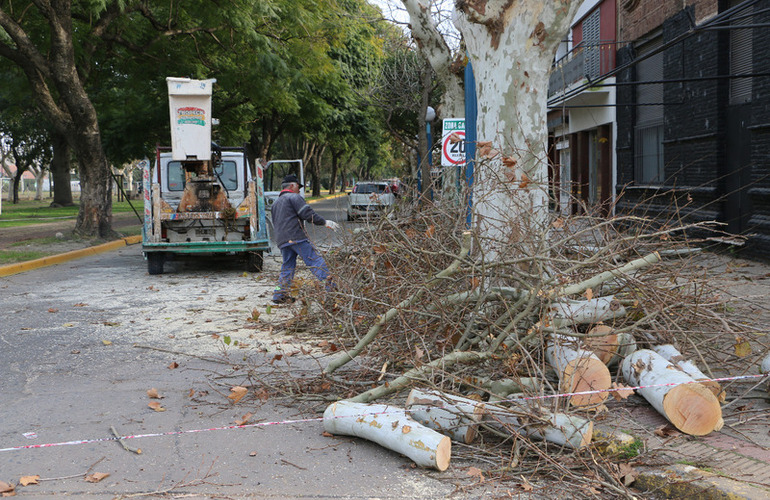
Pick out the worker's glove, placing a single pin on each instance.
(332, 225)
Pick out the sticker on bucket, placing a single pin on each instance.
(191, 116)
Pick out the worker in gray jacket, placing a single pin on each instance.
(289, 213)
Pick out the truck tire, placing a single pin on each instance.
(155, 262)
(254, 261)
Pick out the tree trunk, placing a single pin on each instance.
(391, 428)
(692, 408)
(39, 178)
(70, 112)
(16, 182)
(335, 153)
(60, 172)
(764, 365)
(579, 370)
(511, 46)
(318, 153)
(577, 312)
(453, 416)
(672, 355)
(559, 428)
(609, 346)
(95, 214)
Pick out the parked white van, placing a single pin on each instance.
(370, 199)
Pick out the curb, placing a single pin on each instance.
(686, 481)
(330, 197)
(29, 265)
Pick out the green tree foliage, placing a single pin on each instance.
(296, 68)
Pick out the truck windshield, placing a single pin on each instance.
(228, 173)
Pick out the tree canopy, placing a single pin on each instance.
(291, 69)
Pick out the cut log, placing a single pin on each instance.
(689, 406)
(579, 370)
(577, 312)
(611, 347)
(499, 389)
(764, 365)
(454, 416)
(536, 423)
(391, 428)
(674, 356)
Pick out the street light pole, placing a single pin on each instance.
(430, 115)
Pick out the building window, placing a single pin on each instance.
(741, 50)
(649, 155)
(648, 143)
(592, 46)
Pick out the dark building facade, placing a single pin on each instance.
(693, 116)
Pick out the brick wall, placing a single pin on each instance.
(637, 18)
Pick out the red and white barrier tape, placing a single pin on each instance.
(320, 419)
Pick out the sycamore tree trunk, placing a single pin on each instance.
(39, 178)
(60, 94)
(511, 46)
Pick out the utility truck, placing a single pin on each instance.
(201, 199)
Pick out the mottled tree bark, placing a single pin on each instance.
(511, 45)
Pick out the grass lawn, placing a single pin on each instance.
(28, 212)
(14, 256)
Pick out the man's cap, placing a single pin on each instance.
(291, 178)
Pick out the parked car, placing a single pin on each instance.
(371, 198)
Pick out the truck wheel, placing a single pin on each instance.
(254, 261)
(155, 262)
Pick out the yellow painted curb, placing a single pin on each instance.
(331, 197)
(52, 260)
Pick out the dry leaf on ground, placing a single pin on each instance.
(237, 393)
(27, 480)
(666, 430)
(627, 474)
(156, 406)
(245, 419)
(153, 394)
(96, 477)
(476, 472)
(6, 487)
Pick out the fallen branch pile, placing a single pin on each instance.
(567, 310)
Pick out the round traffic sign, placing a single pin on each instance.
(453, 150)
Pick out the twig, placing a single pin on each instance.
(138, 451)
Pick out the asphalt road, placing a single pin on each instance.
(83, 342)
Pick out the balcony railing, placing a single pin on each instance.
(585, 61)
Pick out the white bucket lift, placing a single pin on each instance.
(189, 103)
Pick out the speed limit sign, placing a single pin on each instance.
(453, 142)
